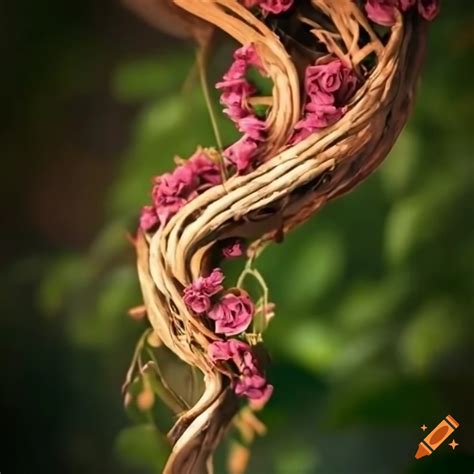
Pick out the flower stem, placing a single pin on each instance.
(201, 64)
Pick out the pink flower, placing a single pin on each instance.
(428, 9)
(248, 55)
(181, 183)
(233, 248)
(251, 383)
(330, 83)
(252, 126)
(253, 386)
(233, 313)
(148, 218)
(407, 4)
(382, 12)
(212, 284)
(321, 115)
(167, 206)
(276, 6)
(329, 87)
(240, 154)
(250, 3)
(205, 169)
(269, 6)
(196, 296)
(196, 300)
(226, 350)
(172, 191)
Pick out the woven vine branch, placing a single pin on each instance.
(343, 77)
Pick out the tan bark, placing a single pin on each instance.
(290, 185)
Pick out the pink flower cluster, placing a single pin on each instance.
(383, 12)
(232, 313)
(172, 191)
(232, 248)
(251, 382)
(328, 88)
(197, 296)
(269, 6)
(235, 91)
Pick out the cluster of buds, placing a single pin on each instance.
(235, 93)
(172, 191)
(328, 88)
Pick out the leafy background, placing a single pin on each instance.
(373, 335)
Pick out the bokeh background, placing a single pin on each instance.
(375, 295)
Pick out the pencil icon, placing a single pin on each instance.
(437, 437)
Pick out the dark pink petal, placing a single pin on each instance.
(241, 153)
(205, 169)
(225, 350)
(428, 9)
(197, 295)
(212, 284)
(249, 56)
(407, 4)
(276, 6)
(252, 126)
(250, 3)
(196, 301)
(233, 248)
(232, 314)
(148, 218)
(167, 206)
(382, 12)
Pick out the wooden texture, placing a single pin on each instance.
(290, 185)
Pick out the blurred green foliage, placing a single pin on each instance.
(375, 295)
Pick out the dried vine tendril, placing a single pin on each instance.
(342, 77)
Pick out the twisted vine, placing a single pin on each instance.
(301, 157)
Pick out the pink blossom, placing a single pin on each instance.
(148, 218)
(248, 55)
(318, 116)
(181, 183)
(269, 6)
(172, 191)
(252, 126)
(205, 169)
(241, 153)
(330, 83)
(329, 87)
(196, 300)
(276, 6)
(382, 12)
(428, 9)
(233, 248)
(212, 284)
(167, 206)
(254, 386)
(250, 3)
(226, 350)
(197, 295)
(324, 77)
(407, 4)
(234, 98)
(322, 115)
(233, 313)
(251, 383)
